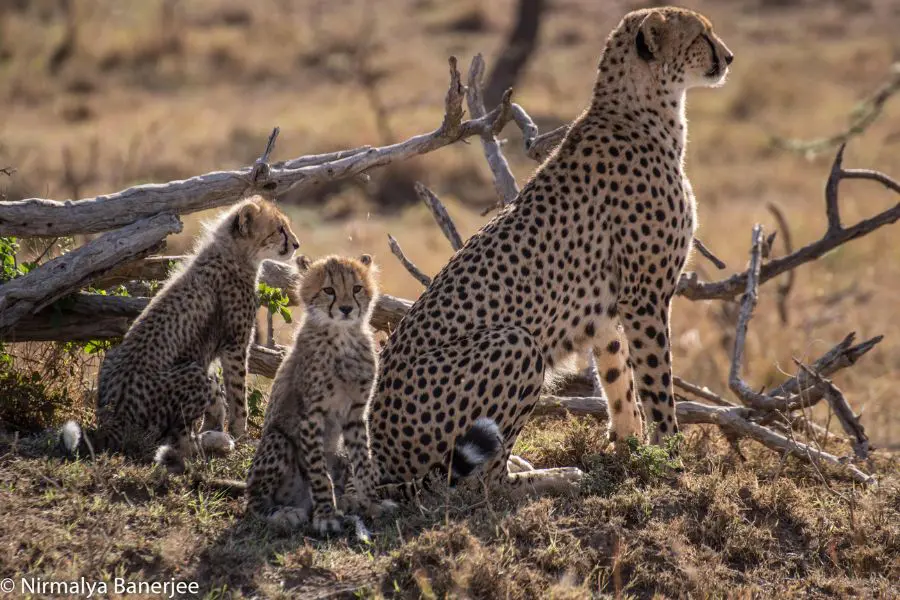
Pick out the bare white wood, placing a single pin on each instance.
(68, 273)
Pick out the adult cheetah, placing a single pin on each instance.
(157, 382)
(588, 256)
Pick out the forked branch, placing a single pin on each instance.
(836, 235)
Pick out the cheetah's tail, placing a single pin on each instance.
(170, 459)
(481, 443)
(73, 440)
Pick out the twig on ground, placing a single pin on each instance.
(731, 419)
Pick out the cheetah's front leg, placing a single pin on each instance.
(648, 337)
(356, 442)
(311, 443)
(234, 371)
(611, 351)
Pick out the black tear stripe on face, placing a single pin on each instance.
(333, 296)
(358, 305)
(717, 67)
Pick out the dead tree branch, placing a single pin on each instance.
(734, 420)
(39, 217)
(65, 274)
(413, 270)
(312, 160)
(849, 421)
(748, 305)
(708, 254)
(441, 216)
(701, 392)
(836, 235)
(504, 181)
(841, 356)
(537, 146)
(82, 316)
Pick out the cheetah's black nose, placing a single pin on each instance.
(728, 58)
(296, 245)
(346, 310)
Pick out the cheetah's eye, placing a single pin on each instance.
(329, 291)
(357, 289)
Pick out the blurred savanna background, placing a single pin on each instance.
(101, 95)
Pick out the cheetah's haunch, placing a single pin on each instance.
(587, 257)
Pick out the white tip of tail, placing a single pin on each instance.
(169, 458)
(70, 433)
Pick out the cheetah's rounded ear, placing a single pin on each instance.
(243, 220)
(303, 263)
(650, 35)
(366, 259)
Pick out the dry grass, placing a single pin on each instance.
(165, 94)
(719, 528)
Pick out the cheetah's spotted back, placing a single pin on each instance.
(588, 256)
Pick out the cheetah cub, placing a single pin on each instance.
(319, 399)
(157, 382)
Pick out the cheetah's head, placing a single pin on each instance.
(675, 46)
(263, 231)
(338, 289)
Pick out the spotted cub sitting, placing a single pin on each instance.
(319, 398)
(157, 382)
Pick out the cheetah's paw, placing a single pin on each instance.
(238, 427)
(517, 464)
(351, 504)
(327, 522)
(217, 442)
(288, 517)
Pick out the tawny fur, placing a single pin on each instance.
(319, 402)
(158, 381)
(587, 257)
